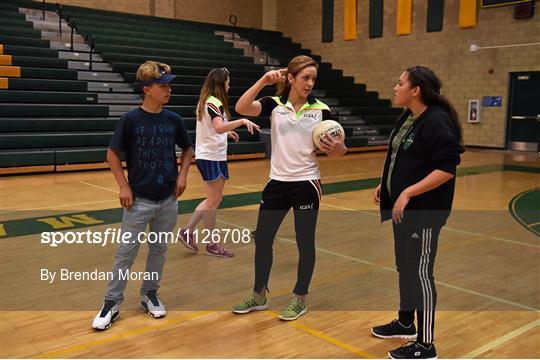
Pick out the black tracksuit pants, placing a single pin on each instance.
(415, 249)
(277, 199)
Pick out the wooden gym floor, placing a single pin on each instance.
(487, 270)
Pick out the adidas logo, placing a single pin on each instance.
(415, 236)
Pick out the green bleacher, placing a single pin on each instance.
(50, 114)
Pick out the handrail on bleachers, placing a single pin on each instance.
(233, 20)
(60, 12)
(89, 39)
(73, 25)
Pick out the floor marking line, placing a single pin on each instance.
(70, 204)
(513, 211)
(494, 298)
(499, 341)
(373, 213)
(515, 242)
(98, 187)
(472, 292)
(446, 227)
(327, 338)
(133, 332)
(241, 187)
(464, 232)
(352, 174)
(331, 252)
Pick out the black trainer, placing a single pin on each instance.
(394, 330)
(413, 350)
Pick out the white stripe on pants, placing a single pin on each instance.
(427, 291)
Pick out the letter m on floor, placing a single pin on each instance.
(64, 222)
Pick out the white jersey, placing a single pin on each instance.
(293, 151)
(209, 145)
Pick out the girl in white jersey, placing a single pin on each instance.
(294, 175)
(213, 128)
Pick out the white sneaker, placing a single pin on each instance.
(108, 313)
(153, 305)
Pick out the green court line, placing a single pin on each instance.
(521, 168)
(477, 170)
(36, 225)
(524, 209)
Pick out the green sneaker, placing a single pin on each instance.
(294, 309)
(249, 304)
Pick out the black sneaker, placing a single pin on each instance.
(394, 330)
(413, 350)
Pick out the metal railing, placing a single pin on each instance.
(72, 23)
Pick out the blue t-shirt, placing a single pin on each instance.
(148, 141)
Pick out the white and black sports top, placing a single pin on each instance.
(209, 145)
(293, 151)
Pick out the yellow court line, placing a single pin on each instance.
(499, 341)
(327, 338)
(119, 336)
(515, 213)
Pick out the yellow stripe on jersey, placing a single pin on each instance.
(319, 105)
(4, 83)
(214, 100)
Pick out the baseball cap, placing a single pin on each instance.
(163, 79)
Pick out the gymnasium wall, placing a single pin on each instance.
(379, 62)
(248, 12)
(140, 7)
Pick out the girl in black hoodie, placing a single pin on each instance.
(416, 192)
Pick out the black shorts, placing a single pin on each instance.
(300, 195)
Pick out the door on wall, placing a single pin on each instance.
(524, 111)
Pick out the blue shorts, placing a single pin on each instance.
(211, 170)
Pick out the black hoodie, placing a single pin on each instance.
(431, 143)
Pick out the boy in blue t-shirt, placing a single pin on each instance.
(147, 136)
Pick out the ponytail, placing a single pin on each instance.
(430, 91)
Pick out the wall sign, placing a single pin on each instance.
(492, 101)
